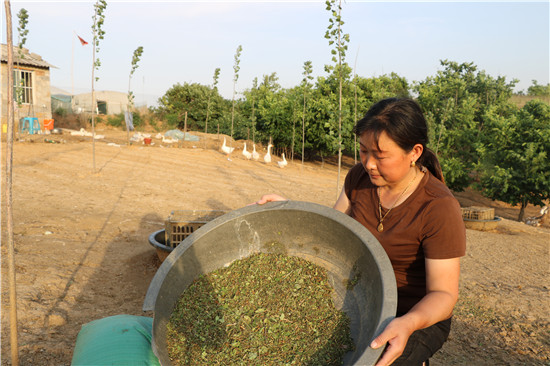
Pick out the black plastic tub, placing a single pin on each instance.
(158, 241)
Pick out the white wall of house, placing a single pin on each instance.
(116, 102)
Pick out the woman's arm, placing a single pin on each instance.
(442, 277)
(342, 203)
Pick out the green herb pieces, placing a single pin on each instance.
(266, 309)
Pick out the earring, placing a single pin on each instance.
(413, 164)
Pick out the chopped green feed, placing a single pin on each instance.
(266, 309)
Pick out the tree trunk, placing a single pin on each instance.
(185, 125)
(14, 346)
(233, 110)
(128, 109)
(339, 104)
(522, 211)
(207, 115)
(293, 131)
(304, 127)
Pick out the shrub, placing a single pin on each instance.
(116, 120)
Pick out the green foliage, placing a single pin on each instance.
(135, 59)
(236, 69)
(236, 66)
(193, 99)
(334, 31)
(454, 102)
(306, 86)
(97, 29)
(214, 89)
(539, 90)
(137, 119)
(116, 120)
(514, 155)
(22, 30)
(60, 111)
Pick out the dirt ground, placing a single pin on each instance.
(82, 250)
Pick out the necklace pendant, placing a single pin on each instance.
(380, 227)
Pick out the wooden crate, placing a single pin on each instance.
(182, 223)
(478, 213)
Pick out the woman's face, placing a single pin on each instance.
(388, 165)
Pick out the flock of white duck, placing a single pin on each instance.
(254, 155)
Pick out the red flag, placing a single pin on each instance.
(83, 42)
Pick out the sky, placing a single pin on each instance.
(185, 41)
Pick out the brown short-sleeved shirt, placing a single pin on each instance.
(428, 224)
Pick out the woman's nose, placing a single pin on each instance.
(370, 162)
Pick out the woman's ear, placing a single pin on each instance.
(416, 152)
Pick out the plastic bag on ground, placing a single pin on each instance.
(115, 340)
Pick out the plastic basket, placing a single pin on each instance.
(182, 223)
(478, 213)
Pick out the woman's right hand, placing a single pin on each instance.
(270, 198)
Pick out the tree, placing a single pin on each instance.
(539, 90)
(98, 34)
(22, 31)
(214, 88)
(14, 343)
(193, 100)
(514, 155)
(135, 59)
(454, 102)
(236, 69)
(355, 106)
(271, 111)
(253, 115)
(306, 86)
(336, 36)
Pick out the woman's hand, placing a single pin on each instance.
(396, 334)
(270, 198)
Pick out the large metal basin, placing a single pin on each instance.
(317, 233)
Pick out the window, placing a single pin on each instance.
(22, 86)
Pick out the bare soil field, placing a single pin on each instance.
(82, 251)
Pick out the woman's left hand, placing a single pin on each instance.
(396, 334)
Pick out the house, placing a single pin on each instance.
(31, 85)
(107, 102)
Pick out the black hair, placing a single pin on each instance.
(403, 121)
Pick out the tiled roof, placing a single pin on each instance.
(28, 59)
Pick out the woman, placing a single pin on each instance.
(398, 193)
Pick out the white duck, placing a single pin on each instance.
(247, 154)
(255, 154)
(168, 140)
(283, 162)
(267, 157)
(226, 149)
